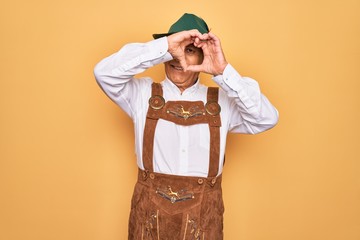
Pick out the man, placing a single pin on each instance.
(181, 127)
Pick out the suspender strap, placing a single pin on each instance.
(213, 111)
(148, 147)
(156, 102)
(156, 89)
(213, 94)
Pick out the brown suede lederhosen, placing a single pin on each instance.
(171, 207)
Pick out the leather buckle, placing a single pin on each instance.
(212, 108)
(156, 102)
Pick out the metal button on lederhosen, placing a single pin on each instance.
(170, 207)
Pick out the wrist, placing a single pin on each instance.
(221, 69)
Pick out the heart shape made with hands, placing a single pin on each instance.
(214, 61)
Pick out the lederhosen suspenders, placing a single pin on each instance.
(177, 207)
(183, 113)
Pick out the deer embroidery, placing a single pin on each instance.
(179, 111)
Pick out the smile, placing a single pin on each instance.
(179, 68)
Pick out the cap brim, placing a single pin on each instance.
(160, 35)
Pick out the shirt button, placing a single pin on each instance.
(183, 150)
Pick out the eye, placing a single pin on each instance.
(189, 50)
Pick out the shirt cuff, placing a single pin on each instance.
(234, 84)
(158, 51)
(229, 80)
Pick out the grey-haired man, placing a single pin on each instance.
(181, 126)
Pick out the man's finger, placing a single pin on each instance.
(183, 63)
(205, 48)
(195, 68)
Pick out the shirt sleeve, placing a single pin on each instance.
(250, 111)
(115, 74)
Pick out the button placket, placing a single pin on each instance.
(184, 155)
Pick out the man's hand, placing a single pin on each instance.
(177, 43)
(214, 60)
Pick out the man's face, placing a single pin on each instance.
(183, 80)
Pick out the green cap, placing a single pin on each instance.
(187, 22)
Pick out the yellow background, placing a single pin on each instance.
(67, 163)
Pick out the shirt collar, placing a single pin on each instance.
(175, 90)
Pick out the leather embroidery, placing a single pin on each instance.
(174, 197)
(195, 231)
(151, 226)
(179, 111)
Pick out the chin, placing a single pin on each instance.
(179, 80)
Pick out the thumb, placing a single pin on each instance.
(195, 68)
(183, 64)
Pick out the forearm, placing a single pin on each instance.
(115, 71)
(115, 74)
(251, 111)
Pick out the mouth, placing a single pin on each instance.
(176, 67)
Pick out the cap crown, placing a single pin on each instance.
(187, 22)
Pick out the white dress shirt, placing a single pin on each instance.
(181, 150)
